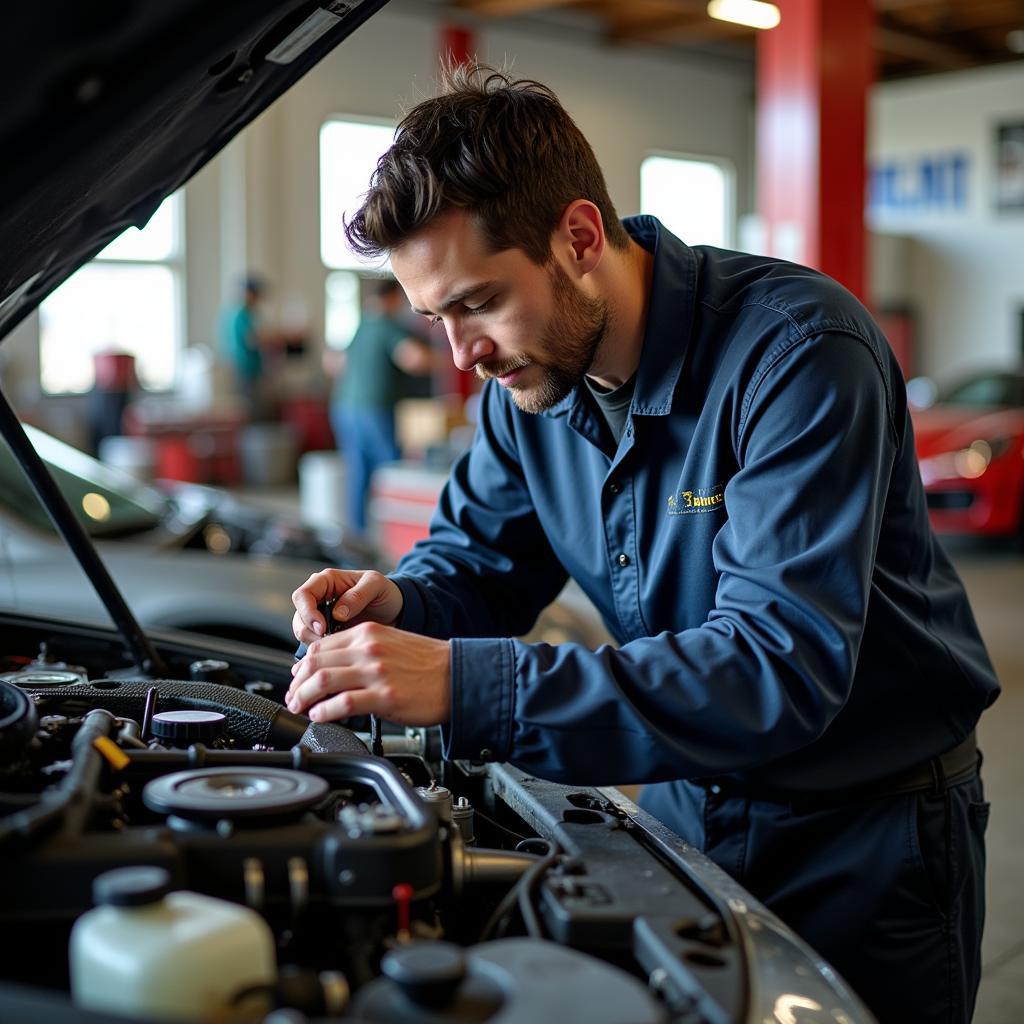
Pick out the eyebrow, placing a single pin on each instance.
(458, 297)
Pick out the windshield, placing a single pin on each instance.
(106, 501)
(993, 389)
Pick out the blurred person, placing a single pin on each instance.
(371, 378)
(243, 340)
(717, 447)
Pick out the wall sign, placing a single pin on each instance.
(936, 183)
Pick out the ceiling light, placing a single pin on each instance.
(752, 13)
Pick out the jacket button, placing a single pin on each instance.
(623, 560)
(615, 487)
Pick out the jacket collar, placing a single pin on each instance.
(669, 322)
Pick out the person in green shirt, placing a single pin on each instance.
(382, 353)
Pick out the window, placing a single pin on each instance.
(128, 299)
(342, 308)
(349, 151)
(691, 196)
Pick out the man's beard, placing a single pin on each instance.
(569, 345)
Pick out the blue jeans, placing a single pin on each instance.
(366, 438)
(890, 891)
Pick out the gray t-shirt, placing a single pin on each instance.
(614, 405)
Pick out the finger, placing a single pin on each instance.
(320, 684)
(301, 631)
(359, 597)
(302, 669)
(309, 595)
(345, 705)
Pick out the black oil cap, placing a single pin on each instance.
(427, 972)
(189, 726)
(131, 887)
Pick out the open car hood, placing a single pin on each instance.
(111, 105)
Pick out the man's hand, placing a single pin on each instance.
(372, 669)
(363, 596)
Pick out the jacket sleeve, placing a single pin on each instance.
(773, 663)
(487, 568)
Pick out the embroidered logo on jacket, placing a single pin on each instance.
(700, 499)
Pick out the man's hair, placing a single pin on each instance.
(504, 150)
(254, 284)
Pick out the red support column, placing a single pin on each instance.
(457, 44)
(814, 71)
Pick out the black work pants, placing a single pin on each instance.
(890, 890)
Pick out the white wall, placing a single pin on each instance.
(965, 277)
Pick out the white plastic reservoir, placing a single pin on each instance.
(148, 952)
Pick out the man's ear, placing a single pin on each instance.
(579, 237)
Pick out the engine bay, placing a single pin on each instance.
(392, 885)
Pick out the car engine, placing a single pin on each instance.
(380, 882)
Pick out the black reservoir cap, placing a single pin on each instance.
(189, 726)
(131, 887)
(427, 972)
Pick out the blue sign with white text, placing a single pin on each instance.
(932, 184)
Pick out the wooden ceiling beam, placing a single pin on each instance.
(913, 46)
(946, 16)
(512, 8)
(887, 6)
(679, 27)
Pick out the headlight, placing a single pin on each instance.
(971, 462)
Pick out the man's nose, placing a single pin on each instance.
(468, 346)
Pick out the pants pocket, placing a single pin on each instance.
(978, 812)
(948, 839)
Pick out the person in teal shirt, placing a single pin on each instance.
(240, 341)
(382, 354)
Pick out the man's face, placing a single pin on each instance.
(528, 326)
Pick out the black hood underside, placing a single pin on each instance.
(110, 105)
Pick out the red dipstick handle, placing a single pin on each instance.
(402, 895)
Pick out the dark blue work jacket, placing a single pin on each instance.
(757, 543)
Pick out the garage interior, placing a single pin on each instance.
(906, 139)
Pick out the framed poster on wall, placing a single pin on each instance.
(1009, 176)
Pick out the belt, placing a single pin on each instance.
(936, 774)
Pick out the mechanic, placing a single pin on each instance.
(372, 372)
(716, 446)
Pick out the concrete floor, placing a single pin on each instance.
(995, 581)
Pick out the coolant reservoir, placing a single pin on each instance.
(145, 951)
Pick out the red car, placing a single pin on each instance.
(970, 444)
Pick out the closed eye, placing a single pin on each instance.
(482, 308)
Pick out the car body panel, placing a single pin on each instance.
(168, 588)
(972, 466)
